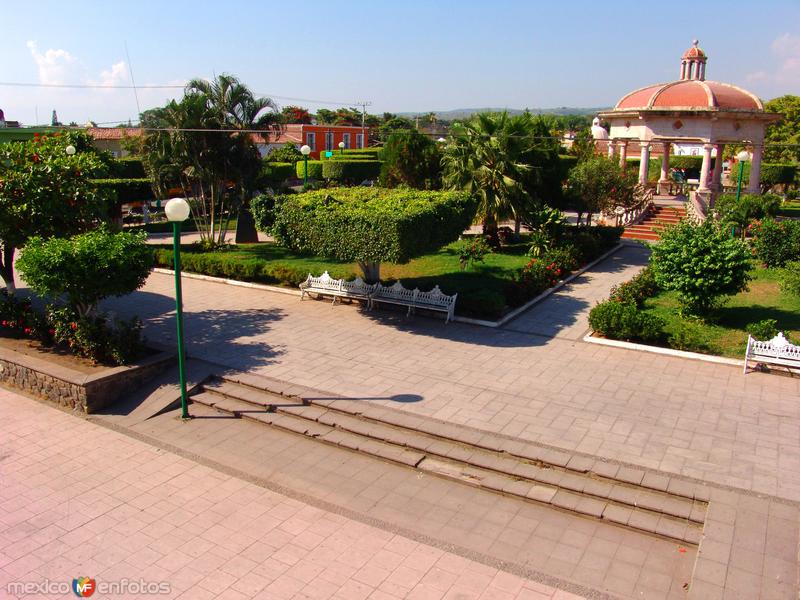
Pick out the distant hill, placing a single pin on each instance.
(464, 113)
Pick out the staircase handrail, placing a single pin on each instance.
(630, 216)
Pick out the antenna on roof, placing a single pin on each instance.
(133, 83)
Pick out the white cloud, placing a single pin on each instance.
(55, 66)
(786, 49)
(116, 75)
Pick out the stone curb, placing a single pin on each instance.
(720, 360)
(236, 282)
(521, 309)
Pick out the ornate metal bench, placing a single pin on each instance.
(325, 285)
(399, 295)
(777, 351)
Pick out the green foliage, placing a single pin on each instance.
(128, 167)
(87, 267)
(413, 160)
(482, 303)
(688, 337)
(370, 224)
(763, 330)
(295, 114)
(636, 290)
(537, 276)
(782, 139)
(599, 184)
(546, 224)
(263, 209)
(790, 278)
(622, 321)
(591, 242)
(288, 153)
(471, 251)
(18, 319)
(772, 174)
(124, 190)
(373, 153)
(350, 171)
(564, 259)
(749, 208)
(701, 263)
(96, 337)
(277, 172)
(686, 163)
(314, 169)
(776, 242)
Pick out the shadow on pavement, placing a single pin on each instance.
(401, 398)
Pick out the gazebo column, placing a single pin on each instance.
(611, 144)
(755, 171)
(644, 164)
(716, 177)
(663, 180)
(704, 170)
(623, 153)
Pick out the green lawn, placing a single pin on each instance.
(790, 208)
(724, 332)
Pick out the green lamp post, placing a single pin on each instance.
(341, 147)
(305, 150)
(742, 157)
(177, 211)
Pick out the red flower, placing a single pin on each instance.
(35, 158)
(5, 323)
(27, 330)
(51, 331)
(74, 326)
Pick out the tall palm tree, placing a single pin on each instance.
(485, 158)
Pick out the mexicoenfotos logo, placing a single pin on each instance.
(84, 586)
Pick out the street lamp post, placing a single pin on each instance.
(305, 150)
(341, 147)
(178, 211)
(741, 157)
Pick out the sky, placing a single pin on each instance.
(414, 55)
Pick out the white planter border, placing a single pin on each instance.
(482, 323)
(720, 360)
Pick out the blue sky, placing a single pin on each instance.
(413, 55)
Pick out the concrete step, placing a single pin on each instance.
(508, 467)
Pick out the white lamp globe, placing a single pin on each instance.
(743, 156)
(441, 140)
(70, 150)
(305, 150)
(341, 145)
(177, 209)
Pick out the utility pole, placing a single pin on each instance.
(363, 104)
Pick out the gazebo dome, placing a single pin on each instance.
(690, 94)
(694, 52)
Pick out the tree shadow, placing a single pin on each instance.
(741, 316)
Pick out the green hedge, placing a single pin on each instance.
(127, 190)
(375, 153)
(371, 224)
(351, 171)
(314, 169)
(771, 174)
(128, 167)
(278, 171)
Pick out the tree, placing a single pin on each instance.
(701, 263)
(412, 159)
(287, 153)
(600, 185)
(295, 114)
(392, 125)
(46, 192)
(370, 225)
(782, 139)
(486, 158)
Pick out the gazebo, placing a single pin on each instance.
(690, 110)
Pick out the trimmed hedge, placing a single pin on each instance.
(623, 321)
(126, 190)
(371, 224)
(771, 174)
(128, 167)
(374, 153)
(350, 171)
(278, 171)
(314, 169)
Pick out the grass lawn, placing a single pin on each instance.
(790, 208)
(724, 332)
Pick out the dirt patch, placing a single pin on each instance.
(51, 354)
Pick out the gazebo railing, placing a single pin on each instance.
(629, 216)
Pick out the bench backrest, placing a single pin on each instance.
(436, 298)
(324, 282)
(777, 347)
(358, 286)
(396, 291)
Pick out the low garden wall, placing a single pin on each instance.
(74, 389)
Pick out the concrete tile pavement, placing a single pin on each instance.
(77, 499)
(696, 419)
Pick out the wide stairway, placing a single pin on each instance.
(658, 217)
(628, 497)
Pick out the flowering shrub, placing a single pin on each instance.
(776, 242)
(18, 319)
(636, 290)
(538, 275)
(97, 337)
(472, 251)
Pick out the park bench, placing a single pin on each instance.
(397, 294)
(325, 285)
(777, 351)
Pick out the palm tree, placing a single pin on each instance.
(484, 158)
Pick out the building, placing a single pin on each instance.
(110, 138)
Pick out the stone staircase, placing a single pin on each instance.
(647, 502)
(658, 217)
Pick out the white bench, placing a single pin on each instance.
(413, 299)
(777, 351)
(325, 285)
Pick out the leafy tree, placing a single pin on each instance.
(749, 208)
(600, 185)
(392, 125)
(485, 159)
(325, 116)
(295, 114)
(412, 159)
(287, 153)
(46, 192)
(701, 263)
(87, 267)
(786, 131)
(370, 225)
